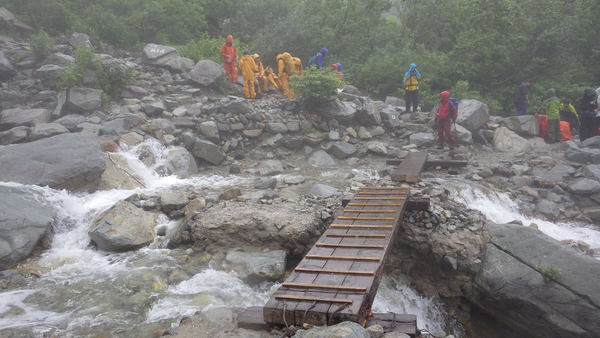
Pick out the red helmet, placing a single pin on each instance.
(229, 38)
(445, 95)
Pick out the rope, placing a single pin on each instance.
(125, 171)
(308, 309)
(340, 308)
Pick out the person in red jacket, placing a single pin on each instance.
(229, 56)
(446, 114)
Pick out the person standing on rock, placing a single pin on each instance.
(445, 116)
(249, 70)
(586, 106)
(551, 108)
(285, 67)
(411, 87)
(522, 98)
(319, 59)
(229, 56)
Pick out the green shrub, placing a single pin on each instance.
(40, 45)
(549, 272)
(316, 85)
(207, 48)
(111, 78)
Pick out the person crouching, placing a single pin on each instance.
(445, 116)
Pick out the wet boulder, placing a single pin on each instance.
(344, 112)
(525, 125)
(422, 139)
(43, 130)
(10, 118)
(123, 227)
(180, 162)
(462, 134)
(508, 141)
(67, 161)
(472, 114)
(25, 220)
(584, 186)
(118, 174)
(257, 266)
(342, 150)
(208, 151)
(82, 100)
(206, 73)
(7, 71)
(369, 114)
(321, 159)
(165, 57)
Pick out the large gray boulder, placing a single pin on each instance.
(206, 73)
(321, 159)
(472, 114)
(390, 117)
(118, 174)
(82, 100)
(7, 71)
(153, 52)
(584, 186)
(25, 219)
(592, 142)
(180, 162)
(342, 150)
(14, 135)
(43, 130)
(165, 57)
(49, 73)
(462, 134)
(123, 227)
(208, 151)
(508, 141)
(525, 125)
(270, 167)
(583, 155)
(592, 171)
(369, 114)
(59, 59)
(342, 330)
(80, 39)
(67, 161)
(257, 266)
(421, 139)
(10, 118)
(210, 130)
(344, 112)
(536, 285)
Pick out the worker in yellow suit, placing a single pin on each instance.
(248, 69)
(261, 79)
(297, 65)
(271, 77)
(285, 67)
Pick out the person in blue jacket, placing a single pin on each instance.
(319, 59)
(412, 78)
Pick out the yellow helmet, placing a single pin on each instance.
(256, 56)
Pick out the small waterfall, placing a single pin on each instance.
(500, 208)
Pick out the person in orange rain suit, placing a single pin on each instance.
(261, 79)
(297, 65)
(249, 70)
(271, 78)
(285, 67)
(229, 56)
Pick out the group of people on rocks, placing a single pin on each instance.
(258, 79)
(559, 118)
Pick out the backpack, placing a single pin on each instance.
(455, 102)
(312, 61)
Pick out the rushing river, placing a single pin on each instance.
(82, 291)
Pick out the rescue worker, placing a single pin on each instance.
(445, 116)
(318, 59)
(248, 69)
(339, 69)
(411, 87)
(229, 56)
(271, 78)
(551, 108)
(297, 65)
(285, 68)
(521, 98)
(261, 79)
(586, 106)
(569, 114)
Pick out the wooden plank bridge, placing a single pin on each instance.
(337, 279)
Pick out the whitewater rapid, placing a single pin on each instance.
(81, 289)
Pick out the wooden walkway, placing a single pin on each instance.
(338, 278)
(410, 168)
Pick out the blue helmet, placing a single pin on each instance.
(412, 66)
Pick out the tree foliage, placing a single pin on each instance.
(490, 44)
(316, 85)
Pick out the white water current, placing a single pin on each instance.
(82, 291)
(500, 208)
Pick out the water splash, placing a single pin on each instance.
(500, 208)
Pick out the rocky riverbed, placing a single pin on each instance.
(177, 201)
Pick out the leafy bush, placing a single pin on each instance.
(207, 48)
(316, 85)
(40, 45)
(111, 78)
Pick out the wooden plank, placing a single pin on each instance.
(344, 258)
(410, 169)
(314, 299)
(369, 211)
(324, 287)
(380, 199)
(384, 188)
(356, 246)
(358, 218)
(356, 235)
(373, 205)
(381, 193)
(361, 226)
(341, 272)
